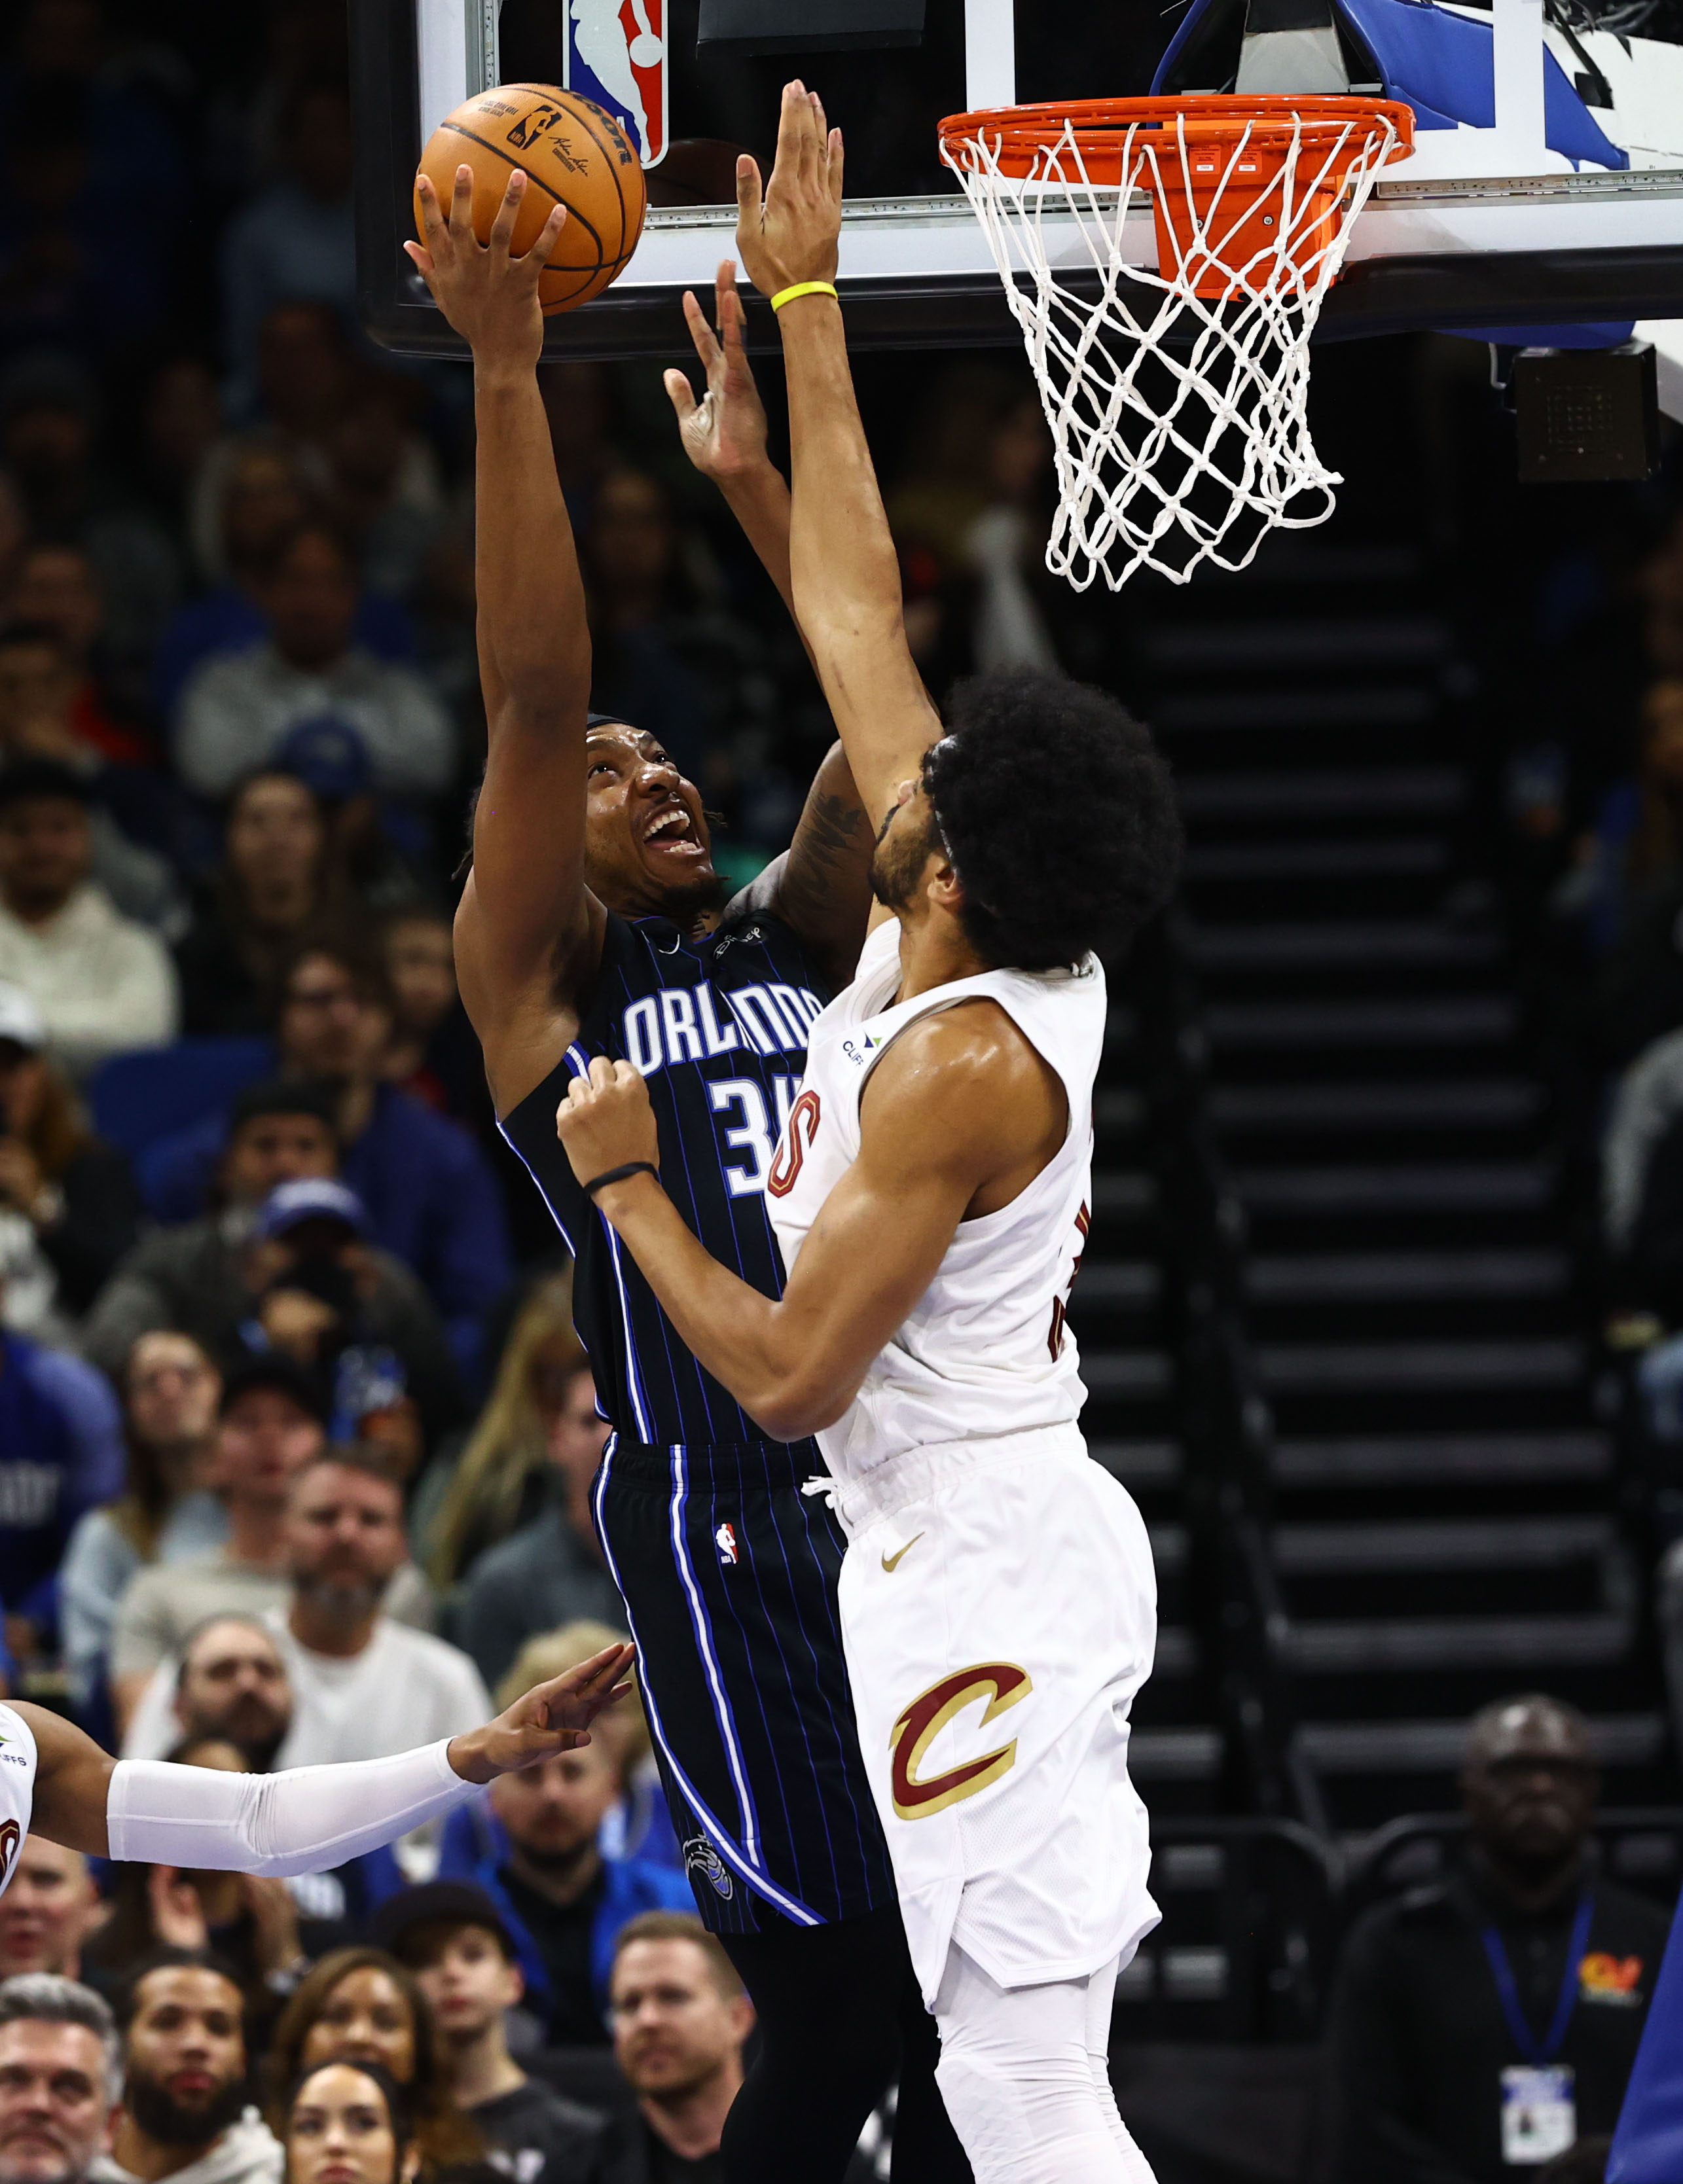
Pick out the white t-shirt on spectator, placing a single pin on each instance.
(103, 984)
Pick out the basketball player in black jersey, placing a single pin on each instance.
(594, 923)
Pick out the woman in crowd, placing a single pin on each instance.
(361, 2007)
(69, 1206)
(279, 884)
(467, 1503)
(169, 1389)
(349, 2120)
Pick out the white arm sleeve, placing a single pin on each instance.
(301, 1821)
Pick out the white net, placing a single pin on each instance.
(1178, 397)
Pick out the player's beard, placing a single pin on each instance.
(685, 899)
(898, 863)
(162, 2117)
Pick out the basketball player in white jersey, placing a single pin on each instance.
(931, 1195)
(57, 1783)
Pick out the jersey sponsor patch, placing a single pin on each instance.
(1004, 1684)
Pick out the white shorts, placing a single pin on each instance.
(999, 1613)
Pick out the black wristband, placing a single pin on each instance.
(618, 1175)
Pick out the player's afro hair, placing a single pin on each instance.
(1059, 815)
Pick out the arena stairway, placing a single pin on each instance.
(1118, 1316)
(1439, 1507)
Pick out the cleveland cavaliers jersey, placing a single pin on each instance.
(17, 1790)
(986, 1350)
(718, 1029)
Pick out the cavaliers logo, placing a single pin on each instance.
(11, 1835)
(1004, 1684)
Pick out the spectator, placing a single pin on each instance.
(452, 1938)
(61, 1454)
(47, 1911)
(563, 1896)
(59, 589)
(361, 2007)
(103, 984)
(278, 882)
(253, 492)
(186, 2112)
(249, 1921)
(294, 240)
(355, 1318)
(429, 1195)
(232, 1688)
(70, 1194)
(348, 2123)
(502, 1478)
(273, 1427)
(364, 1686)
(552, 1571)
(433, 1053)
(1463, 2005)
(165, 1514)
(237, 708)
(61, 2075)
(386, 494)
(680, 2018)
(181, 420)
(48, 420)
(126, 806)
(189, 1277)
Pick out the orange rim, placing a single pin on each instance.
(1016, 137)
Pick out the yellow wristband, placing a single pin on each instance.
(803, 289)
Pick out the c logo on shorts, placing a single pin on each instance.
(928, 1715)
(803, 1127)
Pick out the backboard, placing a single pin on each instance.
(1545, 189)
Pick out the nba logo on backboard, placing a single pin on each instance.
(616, 54)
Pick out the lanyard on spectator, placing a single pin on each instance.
(1545, 2049)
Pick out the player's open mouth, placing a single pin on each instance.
(674, 829)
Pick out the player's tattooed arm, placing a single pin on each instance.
(844, 568)
(959, 1116)
(821, 885)
(527, 934)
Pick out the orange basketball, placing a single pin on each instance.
(572, 152)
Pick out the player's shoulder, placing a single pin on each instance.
(975, 1041)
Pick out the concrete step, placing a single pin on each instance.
(1413, 792)
(1131, 1282)
(1382, 1461)
(1128, 1192)
(1361, 706)
(1310, 1367)
(1174, 1755)
(1509, 1645)
(1412, 857)
(1437, 1747)
(1141, 1466)
(1528, 1543)
(1470, 1187)
(1465, 1020)
(1339, 1278)
(1353, 944)
(1367, 642)
(1130, 1375)
(1486, 1103)
(1118, 1111)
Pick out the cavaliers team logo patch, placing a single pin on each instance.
(11, 1835)
(1002, 1684)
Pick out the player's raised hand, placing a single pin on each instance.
(792, 232)
(724, 433)
(606, 1120)
(489, 297)
(552, 1717)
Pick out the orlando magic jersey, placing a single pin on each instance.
(728, 1571)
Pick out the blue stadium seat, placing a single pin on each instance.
(140, 1097)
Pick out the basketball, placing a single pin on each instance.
(572, 153)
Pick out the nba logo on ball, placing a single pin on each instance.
(725, 1539)
(616, 54)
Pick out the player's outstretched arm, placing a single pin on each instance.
(527, 932)
(307, 1817)
(822, 882)
(959, 1115)
(844, 567)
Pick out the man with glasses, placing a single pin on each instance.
(1488, 2022)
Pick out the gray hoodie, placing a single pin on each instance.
(247, 2153)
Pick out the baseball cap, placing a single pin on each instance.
(273, 1369)
(440, 1903)
(309, 1198)
(26, 780)
(21, 1022)
(327, 756)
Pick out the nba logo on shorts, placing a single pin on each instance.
(725, 1539)
(616, 54)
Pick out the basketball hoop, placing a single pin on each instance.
(1178, 397)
